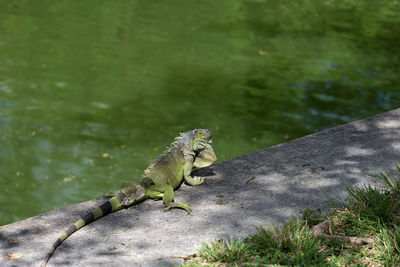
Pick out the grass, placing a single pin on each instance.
(225, 251)
(292, 244)
(368, 212)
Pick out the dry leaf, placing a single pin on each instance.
(13, 256)
(250, 179)
(12, 241)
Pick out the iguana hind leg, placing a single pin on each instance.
(133, 194)
(167, 194)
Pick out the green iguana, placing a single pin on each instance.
(189, 151)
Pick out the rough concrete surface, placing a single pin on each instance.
(269, 185)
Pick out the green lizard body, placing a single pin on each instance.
(191, 150)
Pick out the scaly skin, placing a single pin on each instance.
(191, 150)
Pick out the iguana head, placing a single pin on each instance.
(202, 145)
(199, 139)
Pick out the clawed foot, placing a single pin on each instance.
(180, 206)
(198, 180)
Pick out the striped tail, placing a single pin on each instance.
(113, 204)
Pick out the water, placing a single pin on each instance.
(92, 91)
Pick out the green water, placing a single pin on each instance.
(92, 91)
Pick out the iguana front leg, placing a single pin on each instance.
(187, 173)
(167, 194)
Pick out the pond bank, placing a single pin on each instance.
(269, 185)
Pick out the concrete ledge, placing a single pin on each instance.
(269, 185)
